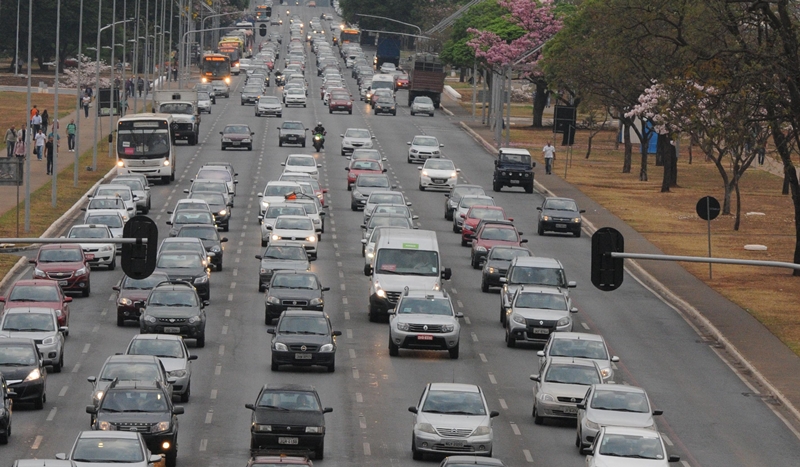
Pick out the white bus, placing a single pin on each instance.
(144, 146)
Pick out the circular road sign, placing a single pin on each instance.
(708, 208)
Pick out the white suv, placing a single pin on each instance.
(424, 319)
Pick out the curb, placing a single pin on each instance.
(19, 265)
(447, 112)
(677, 303)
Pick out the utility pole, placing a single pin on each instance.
(28, 131)
(78, 104)
(56, 123)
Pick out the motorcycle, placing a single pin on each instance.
(319, 141)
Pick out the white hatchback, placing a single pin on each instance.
(303, 163)
(356, 138)
(423, 147)
(438, 174)
(297, 229)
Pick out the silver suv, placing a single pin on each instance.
(532, 270)
(535, 313)
(424, 319)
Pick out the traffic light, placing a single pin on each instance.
(607, 271)
(262, 30)
(139, 259)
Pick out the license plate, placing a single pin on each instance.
(282, 440)
(424, 337)
(302, 356)
(561, 226)
(236, 143)
(62, 282)
(171, 330)
(514, 182)
(571, 410)
(541, 331)
(453, 443)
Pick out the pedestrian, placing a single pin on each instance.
(45, 120)
(34, 111)
(36, 122)
(71, 130)
(549, 155)
(762, 152)
(49, 154)
(19, 146)
(11, 140)
(140, 85)
(85, 101)
(174, 72)
(40, 139)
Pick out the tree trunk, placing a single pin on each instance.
(661, 150)
(667, 152)
(673, 181)
(785, 152)
(462, 74)
(539, 102)
(785, 190)
(628, 159)
(589, 145)
(643, 169)
(738, 205)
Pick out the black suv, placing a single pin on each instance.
(513, 167)
(288, 418)
(293, 289)
(304, 338)
(143, 407)
(175, 308)
(292, 133)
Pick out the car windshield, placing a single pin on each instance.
(157, 347)
(17, 355)
(114, 450)
(507, 254)
(386, 198)
(621, 401)
(425, 141)
(179, 261)
(293, 253)
(469, 201)
(298, 91)
(499, 234)
(388, 221)
(176, 108)
(407, 262)
(279, 190)
(545, 301)
(488, 214)
(133, 184)
(61, 255)
(250, 89)
(372, 154)
(112, 203)
(88, 232)
(128, 371)
(381, 208)
(134, 401)
(172, 298)
(309, 208)
(425, 306)
(111, 220)
(222, 175)
(454, 402)
(185, 217)
(34, 293)
(301, 161)
(572, 374)
(378, 182)
(275, 211)
(29, 322)
(317, 325)
(144, 284)
(581, 348)
(293, 224)
(295, 281)
(124, 194)
(340, 96)
(288, 400)
(439, 164)
(365, 165)
(270, 100)
(560, 205)
(203, 233)
(357, 134)
(214, 187)
(538, 276)
(199, 204)
(182, 246)
(203, 96)
(386, 100)
(638, 447)
(516, 158)
(212, 199)
(461, 192)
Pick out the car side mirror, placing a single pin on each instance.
(503, 280)
(220, 132)
(535, 378)
(252, 133)
(61, 456)
(413, 218)
(494, 413)
(223, 239)
(674, 459)
(573, 310)
(538, 208)
(259, 257)
(90, 409)
(336, 333)
(615, 359)
(581, 406)
(325, 289)
(524, 240)
(177, 410)
(192, 357)
(63, 329)
(283, 164)
(67, 299)
(408, 143)
(463, 216)
(590, 438)
(342, 135)
(169, 222)
(155, 459)
(250, 406)
(572, 284)
(447, 274)
(459, 314)
(32, 261)
(347, 169)
(658, 412)
(367, 270)
(206, 303)
(186, 191)
(441, 145)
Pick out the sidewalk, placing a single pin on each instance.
(731, 330)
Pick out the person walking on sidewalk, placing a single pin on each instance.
(71, 130)
(11, 140)
(85, 101)
(40, 139)
(36, 122)
(49, 153)
(45, 120)
(549, 154)
(140, 85)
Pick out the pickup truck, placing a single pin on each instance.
(182, 105)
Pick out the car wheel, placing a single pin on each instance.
(280, 115)
(496, 186)
(484, 286)
(274, 366)
(38, 404)
(221, 148)
(110, 266)
(185, 396)
(330, 111)
(540, 229)
(502, 314)
(319, 453)
(350, 112)
(171, 458)
(394, 350)
(332, 367)
(264, 243)
(280, 143)
(529, 188)
(448, 214)
(201, 341)
(354, 207)
(409, 159)
(578, 437)
(303, 144)
(250, 148)
(510, 341)
(120, 321)
(577, 233)
(416, 455)
(219, 267)
(454, 352)
(4, 436)
(455, 226)
(412, 114)
(58, 366)
(536, 418)
(85, 292)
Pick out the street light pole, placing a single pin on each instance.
(203, 25)
(16, 51)
(78, 104)
(97, 81)
(392, 20)
(114, 87)
(29, 127)
(56, 123)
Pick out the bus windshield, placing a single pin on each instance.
(216, 67)
(143, 143)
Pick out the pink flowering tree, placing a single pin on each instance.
(539, 21)
(88, 69)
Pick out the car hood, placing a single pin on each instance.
(420, 318)
(236, 136)
(577, 391)
(264, 416)
(172, 364)
(173, 312)
(439, 173)
(134, 417)
(562, 214)
(358, 140)
(293, 233)
(490, 243)
(295, 265)
(539, 313)
(251, 93)
(285, 132)
(628, 462)
(35, 335)
(16, 373)
(300, 169)
(59, 267)
(498, 263)
(182, 273)
(418, 147)
(453, 421)
(111, 464)
(398, 283)
(311, 339)
(292, 294)
(616, 418)
(269, 105)
(367, 190)
(422, 106)
(340, 101)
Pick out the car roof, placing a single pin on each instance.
(43, 463)
(289, 387)
(99, 434)
(475, 460)
(537, 261)
(103, 212)
(517, 151)
(294, 273)
(417, 293)
(182, 240)
(547, 198)
(456, 387)
(132, 359)
(540, 289)
(577, 336)
(285, 244)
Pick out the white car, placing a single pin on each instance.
(111, 218)
(383, 197)
(275, 192)
(174, 355)
(297, 229)
(438, 174)
(423, 105)
(105, 448)
(388, 67)
(217, 173)
(274, 211)
(613, 404)
(622, 447)
(269, 105)
(105, 254)
(122, 191)
(204, 102)
(304, 163)
(313, 210)
(105, 203)
(423, 147)
(356, 138)
(139, 186)
(295, 97)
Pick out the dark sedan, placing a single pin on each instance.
(292, 133)
(385, 105)
(304, 338)
(496, 266)
(281, 256)
(175, 308)
(186, 266)
(291, 289)
(250, 94)
(24, 371)
(236, 136)
(129, 291)
(559, 215)
(211, 241)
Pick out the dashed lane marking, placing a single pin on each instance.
(492, 378)
(213, 394)
(37, 442)
(528, 456)
(221, 350)
(86, 347)
(359, 397)
(209, 416)
(52, 414)
(352, 353)
(474, 337)
(349, 333)
(515, 429)
(203, 444)
(367, 450)
(355, 373)
(503, 404)
(63, 391)
(585, 326)
(218, 370)
(483, 358)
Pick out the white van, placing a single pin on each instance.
(403, 258)
(382, 81)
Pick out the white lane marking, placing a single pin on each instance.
(230, 297)
(235, 260)
(344, 301)
(209, 416)
(37, 441)
(355, 373)
(218, 370)
(492, 378)
(613, 365)
(96, 328)
(346, 314)
(104, 312)
(466, 320)
(213, 393)
(359, 397)
(367, 451)
(233, 285)
(235, 271)
(503, 404)
(76, 368)
(336, 245)
(63, 391)
(352, 353)
(221, 350)
(52, 414)
(666, 439)
(474, 337)
(224, 329)
(341, 274)
(111, 298)
(362, 422)
(528, 456)
(515, 429)
(86, 347)
(483, 358)
(203, 444)
(339, 263)
(460, 305)
(227, 313)
(342, 286)
(349, 333)
(685, 464)
(333, 236)
(585, 326)
(453, 289)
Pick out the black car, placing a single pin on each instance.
(138, 368)
(250, 94)
(293, 289)
(513, 167)
(5, 410)
(187, 266)
(175, 308)
(559, 215)
(292, 133)
(24, 371)
(288, 418)
(129, 291)
(190, 217)
(281, 256)
(211, 240)
(385, 105)
(496, 265)
(304, 338)
(145, 407)
(220, 209)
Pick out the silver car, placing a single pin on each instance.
(174, 355)
(423, 105)
(618, 446)
(110, 449)
(41, 325)
(464, 204)
(452, 418)
(535, 313)
(424, 319)
(269, 105)
(204, 102)
(580, 345)
(273, 211)
(355, 138)
(221, 88)
(383, 197)
(140, 188)
(561, 385)
(612, 404)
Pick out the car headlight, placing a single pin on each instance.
(402, 326)
(545, 218)
(326, 348)
(482, 430)
(264, 205)
(216, 249)
(605, 372)
(436, 152)
(315, 302)
(262, 428)
(368, 144)
(201, 280)
(357, 194)
(223, 212)
(370, 254)
(311, 238)
(273, 300)
(480, 249)
(150, 319)
(576, 220)
(453, 175)
(276, 237)
(33, 375)
(80, 271)
(564, 321)
(425, 428)
(315, 429)
(281, 346)
(246, 140)
(39, 273)
(591, 425)
(49, 340)
(178, 373)
(544, 397)
(106, 247)
(226, 140)
(490, 270)
(264, 271)
(414, 151)
(381, 293)
(104, 426)
(194, 319)
(161, 426)
(448, 327)
(518, 319)
(98, 395)
(425, 173)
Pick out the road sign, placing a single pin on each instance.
(708, 208)
(607, 272)
(139, 259)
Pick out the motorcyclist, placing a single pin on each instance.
(320, 130)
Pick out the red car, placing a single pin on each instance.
(362, 166)
(401, 81)
(340, 102)
(492, 233)
(65, 264)
(319, 192)
(475, 215)
(40, 293)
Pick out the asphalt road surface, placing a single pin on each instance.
(710, 416)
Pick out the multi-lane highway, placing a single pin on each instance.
(709, 417)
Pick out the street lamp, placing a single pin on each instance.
(203, 25)
(392, 20)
